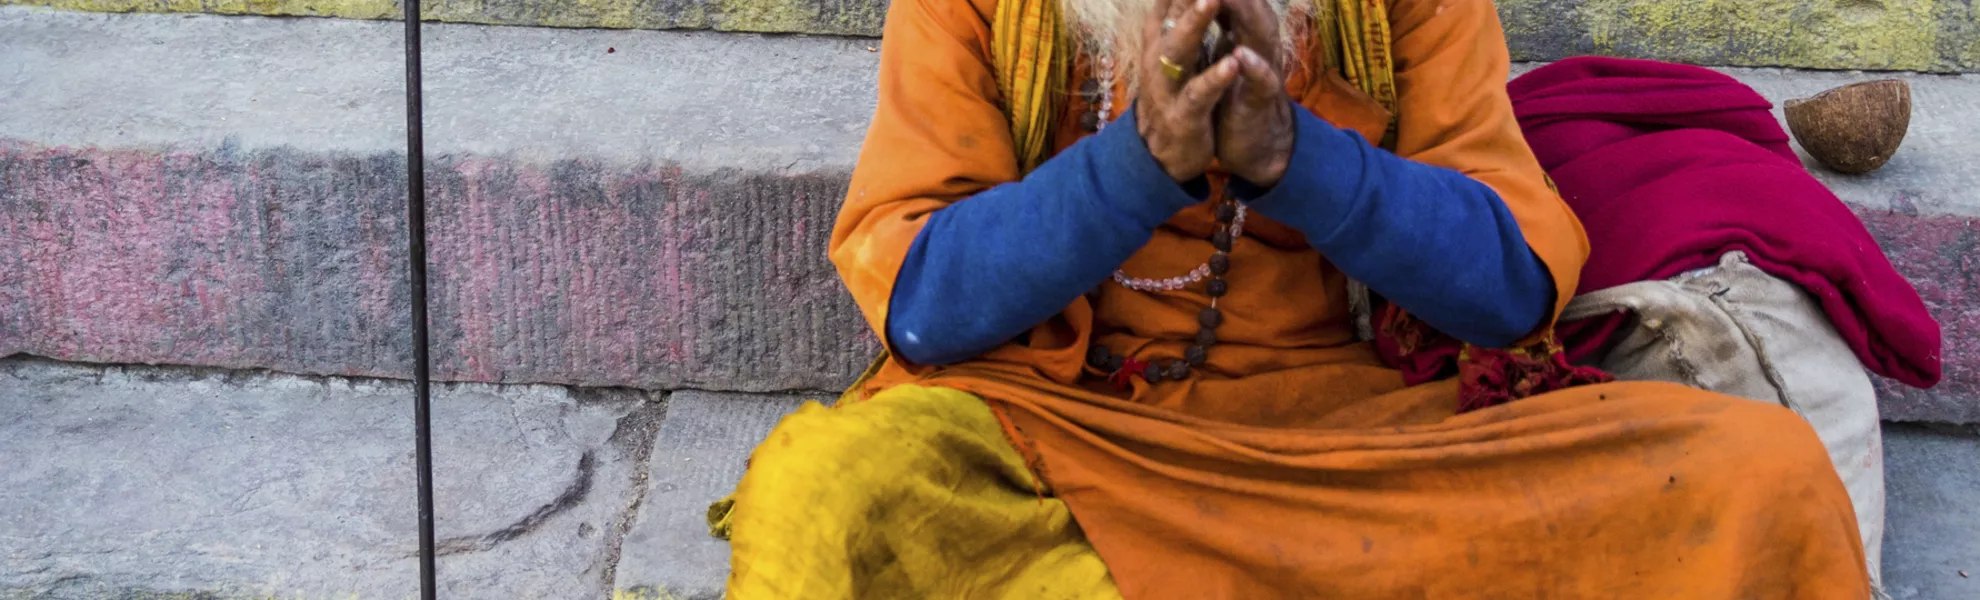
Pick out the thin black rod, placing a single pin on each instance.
(416, 255)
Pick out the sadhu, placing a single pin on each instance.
(1132, 262)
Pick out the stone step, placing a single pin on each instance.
(1907, 35)
(608, 208)
(172, 482)
(151, 482)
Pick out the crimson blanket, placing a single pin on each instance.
(1670, 166)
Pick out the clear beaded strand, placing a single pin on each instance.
(1179, 282)
(1106, 77)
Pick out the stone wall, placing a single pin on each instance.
(608, 208)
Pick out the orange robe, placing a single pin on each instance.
(1294, 463)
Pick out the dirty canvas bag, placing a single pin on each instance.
(1736, 330)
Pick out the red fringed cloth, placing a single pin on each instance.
(1486, 376)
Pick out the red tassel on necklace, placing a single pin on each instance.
(1124, 376)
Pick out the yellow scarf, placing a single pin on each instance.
(1030, 56)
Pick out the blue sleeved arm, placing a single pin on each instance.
(1441, 245)
(1436, 242)
(998, 263)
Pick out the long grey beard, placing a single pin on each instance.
(1113, 28)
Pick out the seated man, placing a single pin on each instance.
(1113, 274)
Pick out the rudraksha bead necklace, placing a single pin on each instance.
(1120, 369)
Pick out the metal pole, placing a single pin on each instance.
(416, 255)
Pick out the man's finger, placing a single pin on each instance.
(1155, 17)
(1261, 82)
(1200, 96)
(1182, 45)
(1152, 28)
(1257, 27)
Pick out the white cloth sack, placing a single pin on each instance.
(1736, 330)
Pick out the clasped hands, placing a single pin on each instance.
(1233, 110)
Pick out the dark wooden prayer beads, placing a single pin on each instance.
(1207, 320)
(1221, 240)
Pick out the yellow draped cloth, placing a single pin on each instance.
(941, 507)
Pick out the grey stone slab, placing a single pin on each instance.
(1910, 35)
(122, 482)
(697, 459)
(145, 482)
(702, 101)
(832, 17)
(1932, 539)
(698, 101)
(1937, 168)
(1889, 35)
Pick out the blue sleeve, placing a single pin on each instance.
(998, 263)
(1439, 244)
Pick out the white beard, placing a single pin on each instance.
(1114, 28)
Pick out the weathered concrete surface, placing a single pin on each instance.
(830, 17)
(1916, 35)
(697, 459)
(121, 482)
(701, 101)
(651, 217)
(1906, 35)
(1932, 476)
(170, 482)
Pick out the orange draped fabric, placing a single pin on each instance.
(1294, 463)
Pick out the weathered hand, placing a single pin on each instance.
(1174, 114)
(1254, 121)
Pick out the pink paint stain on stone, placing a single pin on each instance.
(579, 268)
(140, 257)
(568, 272)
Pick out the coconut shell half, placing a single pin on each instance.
(1855, 128)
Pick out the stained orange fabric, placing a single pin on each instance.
(1294, 462)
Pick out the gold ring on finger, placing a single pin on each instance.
(1170, 69)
